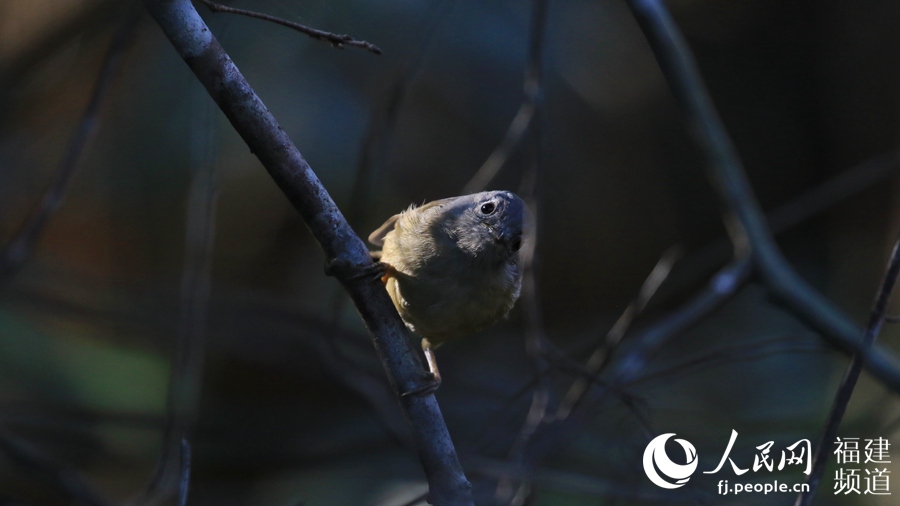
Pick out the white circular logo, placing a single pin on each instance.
(655, 458)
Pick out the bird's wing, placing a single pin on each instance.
(376, 238)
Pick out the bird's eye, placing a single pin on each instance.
(487, 208)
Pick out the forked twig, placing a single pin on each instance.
(645, 344)
(338, 41)
(749, 230)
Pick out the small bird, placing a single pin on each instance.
(452, 265)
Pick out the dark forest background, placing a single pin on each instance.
(169, 228)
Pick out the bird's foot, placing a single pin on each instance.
(346, 271)
(432, 377)
(388, 271)
(431, 382)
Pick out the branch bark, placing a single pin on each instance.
(346, 255)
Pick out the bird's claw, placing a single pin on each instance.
(347, 271)
(431, 383)
(432, 376)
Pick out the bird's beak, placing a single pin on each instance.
(511, 239)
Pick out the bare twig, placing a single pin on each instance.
(379, 135)
(845, 390)
(91, 19)
(642, 346)
(186, 371)
(527, 109)
(737, 353)
(601, 354)
(65, 480)
(783, 218)
(497, 159)
(530, 191)
(184, 481)
(338, 41)
(802, 207)
(632, 362)
(346, 255)
(22, 244)
(749, 226)
(847, 183)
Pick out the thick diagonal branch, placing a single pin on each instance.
(344, 250)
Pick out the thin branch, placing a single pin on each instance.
(346, 255)
(749, 227)
(22, 244)
(810, 203)
(845, 390)
(497, 159)
(186, 372)
(518, 127)
(530, 191)
(642, 347)
(63, 479)
(564, 363)
(645, 344)
(737, 353)
(557, 360)
(847, 183)
(90, 20)
(184, 481)
(600, 357)
(379, 135)
(799, 209)
(338, 41)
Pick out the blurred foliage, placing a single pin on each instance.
(88, 325)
